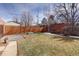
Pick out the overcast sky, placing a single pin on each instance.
(7, 11)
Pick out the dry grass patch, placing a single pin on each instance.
(48, 45)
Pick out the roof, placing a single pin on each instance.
(12, 24)
(2, 22)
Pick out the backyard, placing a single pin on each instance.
(42, 44)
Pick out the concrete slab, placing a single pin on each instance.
(11, 49)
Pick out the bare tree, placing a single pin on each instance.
(15, 19)
(70, 13)
(26, 19)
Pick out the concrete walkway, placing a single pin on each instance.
(11, 49)
(2, 48)
(12, 37)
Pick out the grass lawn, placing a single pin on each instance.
(47, 45)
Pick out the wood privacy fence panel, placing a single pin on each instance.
(11, 30)
(17, 29)
(56, 28)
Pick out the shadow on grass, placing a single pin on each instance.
(67, 39)
(55, 37)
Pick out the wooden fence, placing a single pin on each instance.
(7, 29)
(17, 29)
(55, 28)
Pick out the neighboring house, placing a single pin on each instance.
(11, 24)
(2, 22)
(11, 28)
